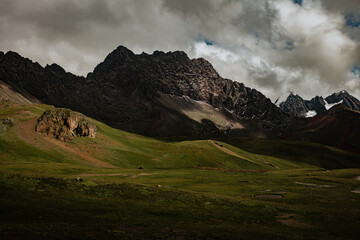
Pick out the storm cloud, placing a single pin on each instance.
(309, 47)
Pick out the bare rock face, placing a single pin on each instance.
(65, 125)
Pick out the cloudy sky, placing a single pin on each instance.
(311, 47)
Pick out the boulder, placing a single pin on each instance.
(65, 125)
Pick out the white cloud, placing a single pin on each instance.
(204, 50)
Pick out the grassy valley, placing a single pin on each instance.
(121, 185)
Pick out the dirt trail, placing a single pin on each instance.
(142, 174)
(225, 150)
(314, 185)
(26, 132)
(100, 174)
(113, 174)
(230, 170)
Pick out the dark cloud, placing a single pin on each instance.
(310, 47)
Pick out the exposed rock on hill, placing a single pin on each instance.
(5, 122)
(65, 125)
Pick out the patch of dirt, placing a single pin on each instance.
(230, 170)
(268, 196)
(156, 159)
(357, 178)
(26, 132)
(100, 174)
(291, 220)
(314, 185)
(24, 115)
(356, 191)
(225, 150)
(141, 174)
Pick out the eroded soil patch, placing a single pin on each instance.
(292, 220)
(268, 196)
(314, 185)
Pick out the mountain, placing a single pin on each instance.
(296, 105)
(345, 98)
(338, 127)
(159, 94)
(15, 95)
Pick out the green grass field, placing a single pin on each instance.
(186, 189)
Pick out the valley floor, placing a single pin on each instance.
(205, 189)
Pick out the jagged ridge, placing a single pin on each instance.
(123, 92)
(296, 105)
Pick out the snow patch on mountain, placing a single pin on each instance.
(330, 105)
(310, 114)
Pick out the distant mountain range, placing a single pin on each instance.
(296, 105)
(171, 95)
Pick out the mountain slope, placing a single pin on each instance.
(125, 91)
(21, 147)
(339, 127)
(10, 93)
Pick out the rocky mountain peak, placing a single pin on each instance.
(336, 97)
(345, 98)
(121, 50)
(294, 104)
(56, 69)
(11, 54)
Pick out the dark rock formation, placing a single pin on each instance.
(295, 104)
(316, 104)
(65, 125)
(123, 91)
(349, 101)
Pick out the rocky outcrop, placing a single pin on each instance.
(5, 122)
(65, 125)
